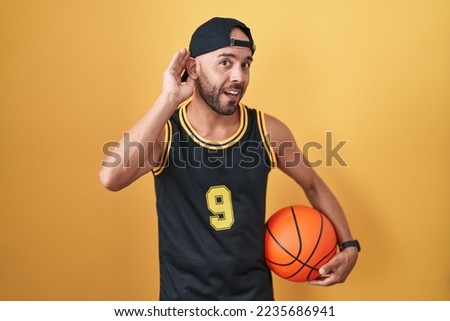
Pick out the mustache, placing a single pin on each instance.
(234, 86)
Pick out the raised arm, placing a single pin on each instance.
(292, 162)
(124, 164)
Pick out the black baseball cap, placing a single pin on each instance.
(215, 34)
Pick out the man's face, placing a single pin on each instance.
(224, 75)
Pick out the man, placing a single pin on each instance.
(210, 156)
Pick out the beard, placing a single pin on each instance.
(211, 95)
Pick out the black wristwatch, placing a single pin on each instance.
(351, 243)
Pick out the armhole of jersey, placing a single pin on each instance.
(165, 148)
(265, 136)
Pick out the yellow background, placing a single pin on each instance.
(76, 74)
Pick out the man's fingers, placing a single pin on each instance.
(327, 274)
(178, 63)
(329, 267)
(324, 280)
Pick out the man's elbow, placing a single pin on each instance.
(108, 180)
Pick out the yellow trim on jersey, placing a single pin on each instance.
(230, 141)
(165, 148)
(266, 139)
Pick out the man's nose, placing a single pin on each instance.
(237, 74)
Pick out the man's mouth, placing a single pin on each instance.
(232, 93)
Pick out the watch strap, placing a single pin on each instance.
(352, 243)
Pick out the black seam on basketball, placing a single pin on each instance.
(312, 253)
(324, 257)
(300, 245)
(284, 249)
(295, 257)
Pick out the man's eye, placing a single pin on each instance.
(246, 65)
(225, 63)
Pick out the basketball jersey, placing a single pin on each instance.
(211, 200)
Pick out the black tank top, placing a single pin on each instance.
(211, 199)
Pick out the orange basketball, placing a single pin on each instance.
(298, 241)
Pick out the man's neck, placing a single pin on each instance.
(209, 124)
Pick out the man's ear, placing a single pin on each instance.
(191, 67)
